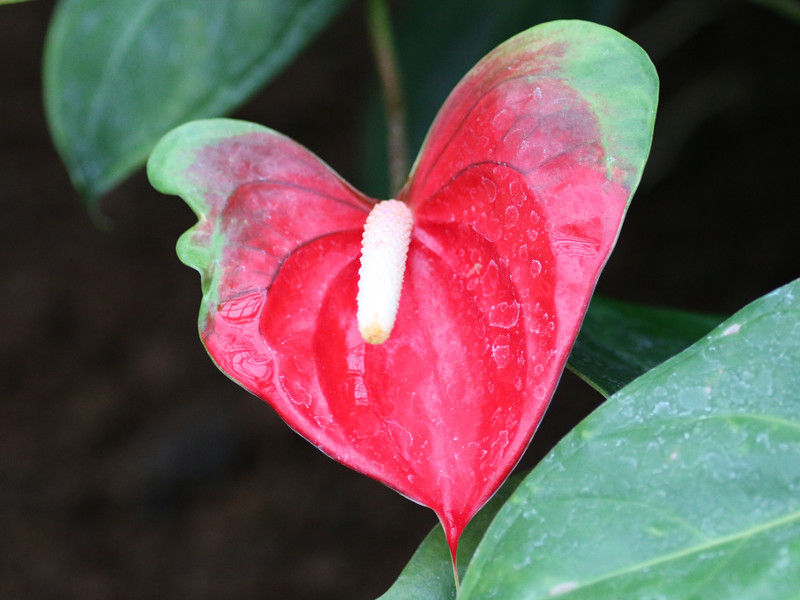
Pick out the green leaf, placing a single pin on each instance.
(119, 74)
(789, 9)
(620, 341)
(457, 33)
(685, 484)
(429, 573)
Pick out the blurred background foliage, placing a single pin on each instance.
(131, 468)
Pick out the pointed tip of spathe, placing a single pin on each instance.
(452, 534)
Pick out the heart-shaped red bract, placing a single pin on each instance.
(517, 196)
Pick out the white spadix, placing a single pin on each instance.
(384, 246)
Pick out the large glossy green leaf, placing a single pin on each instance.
(620, 341)
(438, 42)
(685, 484)
(118, 74)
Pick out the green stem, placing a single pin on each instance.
(386, 61)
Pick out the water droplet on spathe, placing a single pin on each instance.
(504, 314)
(511, 216)
(489, 189)
(501, 355)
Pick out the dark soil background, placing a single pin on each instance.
(131, 468)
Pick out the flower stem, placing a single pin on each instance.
(380, 31)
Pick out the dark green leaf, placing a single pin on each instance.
(685, 484)
(119, 74)
(619, 341)
(789, 9)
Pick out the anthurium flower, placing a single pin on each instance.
(508, 216)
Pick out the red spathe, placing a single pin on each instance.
(515, 213)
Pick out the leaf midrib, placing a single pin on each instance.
(121, 48)
(695, 549)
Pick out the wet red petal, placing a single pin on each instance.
(516, 210)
